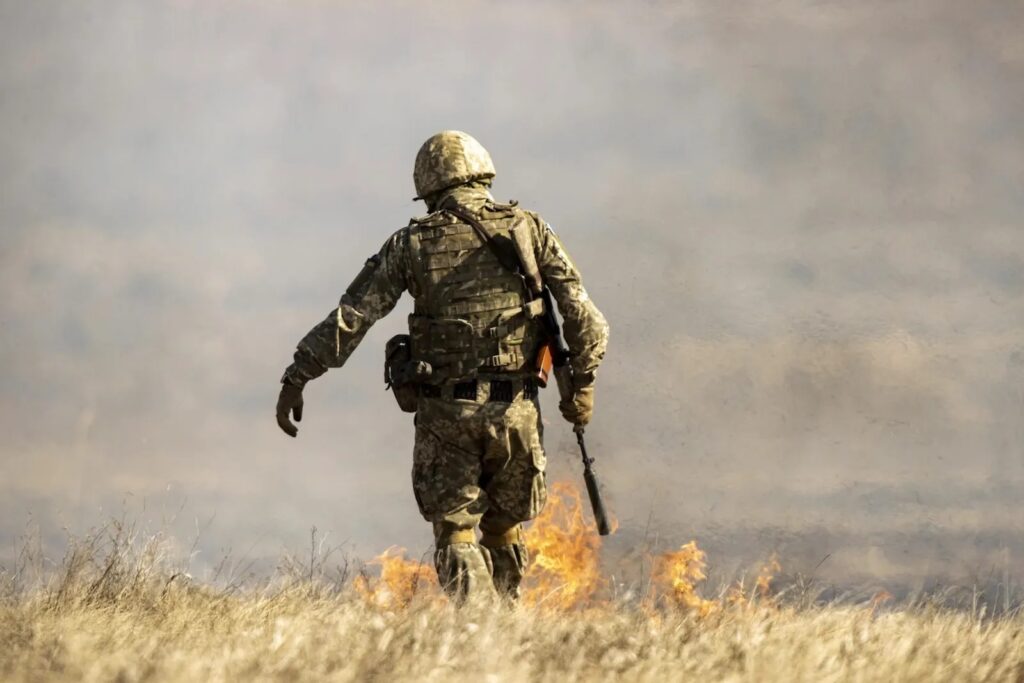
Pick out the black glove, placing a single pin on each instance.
(290, 401)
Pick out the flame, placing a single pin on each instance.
(564, 546)
(737, 595)
(680, 572)
(565, 571)
(399, 582)
(763, 583)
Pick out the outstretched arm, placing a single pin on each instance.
(371, 296)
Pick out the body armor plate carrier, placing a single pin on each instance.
(473, 316)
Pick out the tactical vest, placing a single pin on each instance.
(473, 316)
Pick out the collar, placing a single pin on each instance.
(472, 196)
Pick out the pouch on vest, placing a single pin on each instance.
(448, 346)
(401, 373)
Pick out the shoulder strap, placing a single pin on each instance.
(508, 261)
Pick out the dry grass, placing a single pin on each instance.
(114, 610)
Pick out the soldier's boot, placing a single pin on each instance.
(507, 550)
(463, 568)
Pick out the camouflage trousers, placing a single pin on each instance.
(479, 463)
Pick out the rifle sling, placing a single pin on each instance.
(508, 261)
(512, 264)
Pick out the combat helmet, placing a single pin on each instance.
(447, 159)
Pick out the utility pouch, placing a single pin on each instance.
(448, 347)
(401, 374)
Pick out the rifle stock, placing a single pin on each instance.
(544, 363)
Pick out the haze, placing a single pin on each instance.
(803, 222)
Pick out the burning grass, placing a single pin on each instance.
(117, 610)
(565, 571)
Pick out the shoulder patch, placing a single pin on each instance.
(556, 244)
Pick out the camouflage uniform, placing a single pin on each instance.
(478, 458)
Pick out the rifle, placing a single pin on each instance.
(554, 354)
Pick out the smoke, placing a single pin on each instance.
(802, 221)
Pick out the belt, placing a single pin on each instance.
(492, 391)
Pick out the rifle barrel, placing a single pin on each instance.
(593, 488)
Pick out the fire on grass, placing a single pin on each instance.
(564, 547)
(399, 582)
(565, 569)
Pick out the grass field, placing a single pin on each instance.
(306, 633)
(116, 609)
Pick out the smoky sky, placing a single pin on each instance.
(802, 221)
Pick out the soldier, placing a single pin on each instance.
(474, 334)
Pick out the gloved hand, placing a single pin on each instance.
(578, 410)
(289, 401)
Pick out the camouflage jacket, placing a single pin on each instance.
(390, 272)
